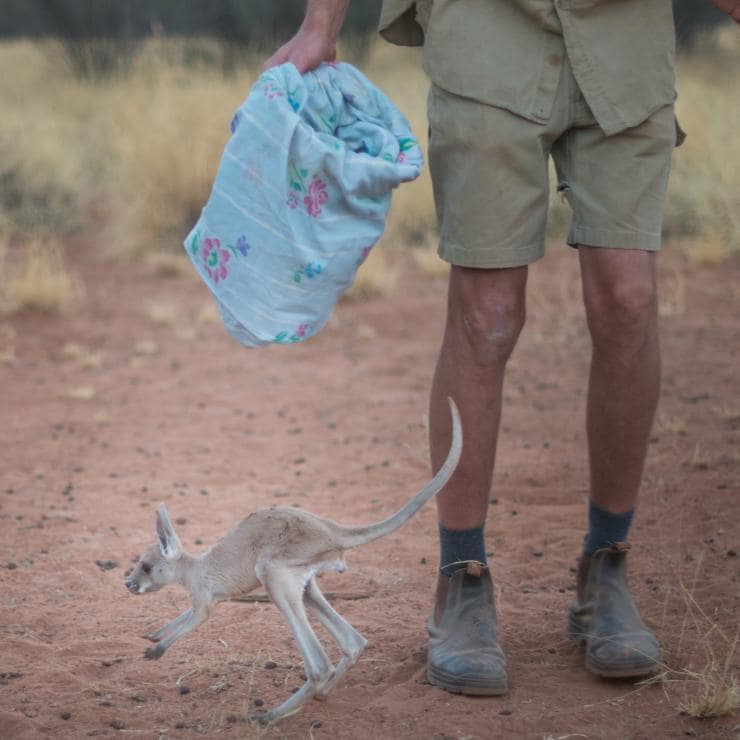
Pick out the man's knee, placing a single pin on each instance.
(622, 309)
(487, 312)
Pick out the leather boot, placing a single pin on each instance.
(604, 617)
(464, 655)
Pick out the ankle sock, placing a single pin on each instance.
(459, 545)
(605, 528)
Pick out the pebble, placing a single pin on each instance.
(731, 553)
(316, 723)
(106, 564)
(117, 724)
(181, 520)
(259, 702)
(505, 712)
(65, 715)
(270, 664)
(184, 689)
(11, 565)
(537, 553)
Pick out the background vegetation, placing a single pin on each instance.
(115, 113)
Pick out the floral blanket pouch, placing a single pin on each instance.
(300, 197)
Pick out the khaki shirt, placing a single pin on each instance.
(509, 53)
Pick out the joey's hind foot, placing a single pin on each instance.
(154, 653)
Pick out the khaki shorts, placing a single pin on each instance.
(490, 175)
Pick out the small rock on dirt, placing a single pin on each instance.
(106, 564)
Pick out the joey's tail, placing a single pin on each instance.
(355, 536)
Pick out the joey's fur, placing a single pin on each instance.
(283, 549)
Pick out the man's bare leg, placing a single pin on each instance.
(620, 295)
(485, 314)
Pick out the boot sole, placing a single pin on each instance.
(469, 686)
(626, 672)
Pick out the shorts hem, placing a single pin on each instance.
(490, 257)
(588, 237)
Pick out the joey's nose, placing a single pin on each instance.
(132, 585)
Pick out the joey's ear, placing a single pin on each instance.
(169, 542)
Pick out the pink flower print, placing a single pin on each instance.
(316, 197)
(301, 330)
(292, 200)
(401, 157)
(271, 90)
(215, 258)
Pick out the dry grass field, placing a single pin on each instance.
(131, 158)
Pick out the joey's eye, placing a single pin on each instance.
(146, 568)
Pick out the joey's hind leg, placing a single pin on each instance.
(285, 586)
(350, 641)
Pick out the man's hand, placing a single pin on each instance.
(731, 7)
(305, 50)
(316, 40)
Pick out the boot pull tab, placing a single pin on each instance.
(473, 568)
(620, 547)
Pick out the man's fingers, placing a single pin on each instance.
(306, 51)
(280, 56)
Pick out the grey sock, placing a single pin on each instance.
(605, 528)
(457, 546)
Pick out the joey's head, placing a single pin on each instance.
(157, 566)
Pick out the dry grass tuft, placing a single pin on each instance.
(168, 264)
(711, 690)
(40, 282)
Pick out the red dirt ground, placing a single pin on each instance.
(156, 404)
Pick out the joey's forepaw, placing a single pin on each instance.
(154, 653)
